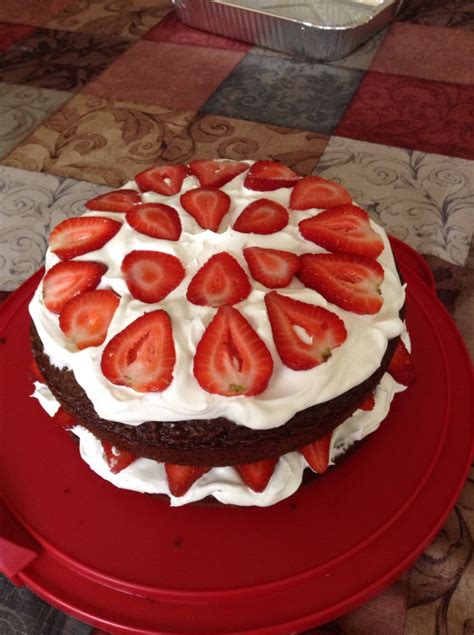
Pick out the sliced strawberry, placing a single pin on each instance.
(221, 280)
(317, 453)
(181, 477)
(165, 179)
(350, 282)
(117, 460)
(85, 318)
(64, 419)
(257, 474)
(273, 268)
(76, 236)
(314, 191)
(67, 279)
(321, 331)
(401, 367)
(116, 201)
(207, 206)
(151, 275)
(265, 176)
(231, 359)
(142, 356)
(155, 220)
(344, 230)
(368, 403)
(262, 217)
(216, 173)
(35, 371)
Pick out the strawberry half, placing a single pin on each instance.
(117, 460)
(76, 236)
(166, 179)
(262, 217)
(265, 176)
(116, 201)
(64, 419)
(317, 453)
(142, 356)
(155, 220)
(322, 329)
(207, 206)
(216, 173)
(231, 359)
(273, 268)
(401, 367)
(314, 191)
(350, 282)
(85, 318)
(368, 403)
(257, 474)
(221, 280)
(67, 279)
(35, 371)
(181, 477)
(151, 275)
(344, 230)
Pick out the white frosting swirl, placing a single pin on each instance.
(288, 391)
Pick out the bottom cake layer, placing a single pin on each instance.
(224, 483)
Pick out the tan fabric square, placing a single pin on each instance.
(35, 12)
(100, 140)
(172, 75)
(129, 19)
(212, 136)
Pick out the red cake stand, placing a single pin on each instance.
(129, 563)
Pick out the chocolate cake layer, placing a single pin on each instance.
(206, 442)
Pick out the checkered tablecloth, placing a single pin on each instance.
(94, 91)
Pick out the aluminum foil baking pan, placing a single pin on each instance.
(319, 29)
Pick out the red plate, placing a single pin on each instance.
(130, 564)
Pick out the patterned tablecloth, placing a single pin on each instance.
(93, 91)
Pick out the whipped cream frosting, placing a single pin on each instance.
(224, 483)
(288, 391)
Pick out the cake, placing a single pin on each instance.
(216, 329)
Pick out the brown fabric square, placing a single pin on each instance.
(58, 59)
(100, 140)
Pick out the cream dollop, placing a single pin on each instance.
(288, 391)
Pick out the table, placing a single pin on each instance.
(93, 91)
